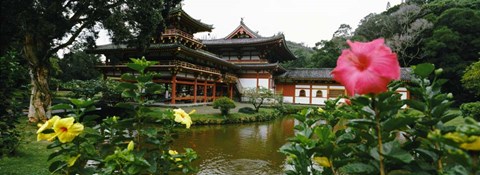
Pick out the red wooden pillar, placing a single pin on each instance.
(214, 90)
(205, 91)
(174, 88)
(294, 91)
(195, 90)
(328, 92)
(311, 93)
(231, 91)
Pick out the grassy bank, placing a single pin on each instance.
(31, 156)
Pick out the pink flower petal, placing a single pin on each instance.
(366, 67)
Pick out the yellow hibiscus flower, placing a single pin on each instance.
(182, 117)
(48, 124)
(322, 161)
(48, 137)
(172, 153)
(71, 161)
(473, 145)
(66, 130)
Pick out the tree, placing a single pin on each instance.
(78, 65)
(453, 44)
(471, 78)
(45, 27)
(258, 96)
(410, 27)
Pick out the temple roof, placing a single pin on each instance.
(178, 47)
(243, 29)
(189, 21)
(243, 41)
(275, 66)
(324, 74)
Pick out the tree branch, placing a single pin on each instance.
(70, 41)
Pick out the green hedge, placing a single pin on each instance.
(236, 118)
(471, 110)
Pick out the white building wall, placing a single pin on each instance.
(263, 82)
(248, 82)
(302, 100)
(288, 99)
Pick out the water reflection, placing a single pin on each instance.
(240, 148)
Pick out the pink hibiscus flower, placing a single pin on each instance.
(366, 67)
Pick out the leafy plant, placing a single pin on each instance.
(13, 78)
(375, 135)
(471, 110)
(258, 96)
(224, 104)
(138, 143)
(247, 110)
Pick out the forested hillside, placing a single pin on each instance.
(443, 32)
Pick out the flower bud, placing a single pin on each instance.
(130, 146)
(438, 71)
(449, 95)
(320, 110)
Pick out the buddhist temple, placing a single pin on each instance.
(199, 71)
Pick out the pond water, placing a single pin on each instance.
(238, 148)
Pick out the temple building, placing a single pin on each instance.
(199, 71)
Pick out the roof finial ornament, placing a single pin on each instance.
(241, 20)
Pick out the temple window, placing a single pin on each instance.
(334, 93)
(319, 94)
(302, 93)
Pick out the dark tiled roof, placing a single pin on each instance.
(324, 74)
(262, 66)
(242, 41)
(202, 27)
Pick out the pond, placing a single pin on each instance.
(238, 148)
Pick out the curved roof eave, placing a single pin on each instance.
(243, 41)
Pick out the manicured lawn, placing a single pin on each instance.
(31, 157)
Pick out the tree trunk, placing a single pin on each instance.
(40, 99)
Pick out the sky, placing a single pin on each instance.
(301, 21)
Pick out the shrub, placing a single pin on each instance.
(84, 89)
(225, 104)
(471, 110)
(247, 110)
(13, 88)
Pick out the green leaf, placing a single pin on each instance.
(56, 153)
(144, 78)
(324, 133)
(400, 172)
(393, 150)
(357, 168)
(128, 94)
(137, 67)
(426, 153)
(415, 104)
(397, 122)
(62, 106)
(128, 77)
(361, 122)
(126, 106)
(80, 103)
(125, 86)
(364, 101)
(57, 165)
(423, 70)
